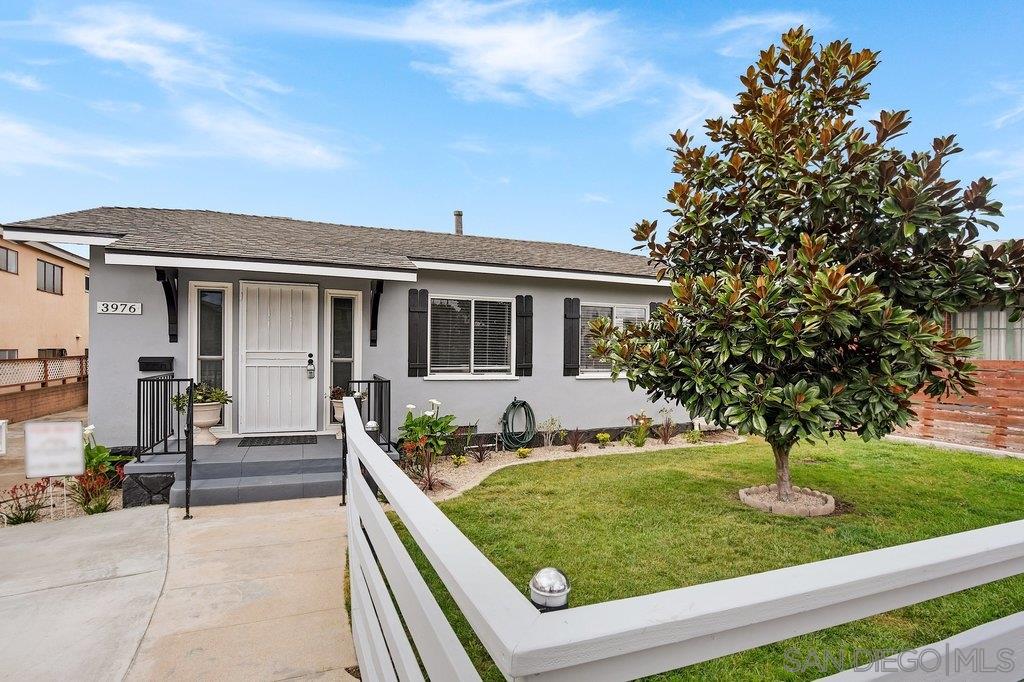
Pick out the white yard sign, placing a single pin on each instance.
(115, 308)
(3, 436)
(53, 449)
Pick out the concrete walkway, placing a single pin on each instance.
(240, 592)
(253, 592)
(76, 596)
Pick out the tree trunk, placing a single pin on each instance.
(785, 487)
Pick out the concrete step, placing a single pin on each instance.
(232, 489)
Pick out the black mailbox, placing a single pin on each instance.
(156, 364)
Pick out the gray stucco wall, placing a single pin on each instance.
(119, 340)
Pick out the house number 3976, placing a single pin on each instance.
(119, 308)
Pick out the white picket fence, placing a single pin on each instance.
(399, 627)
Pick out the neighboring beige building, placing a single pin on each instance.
(44, 301)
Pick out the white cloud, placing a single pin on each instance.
(472, 144)
(111, 106)
(687, 108)
(26, 145)
(744, 34)
(592, 198)
(1015, 92)
(171, 54)
(505, 51)
(21, 80)
(235, 132)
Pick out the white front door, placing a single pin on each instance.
(277, 342)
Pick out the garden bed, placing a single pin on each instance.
(459, 479)
(643, 522)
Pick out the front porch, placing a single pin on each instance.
(227, 472)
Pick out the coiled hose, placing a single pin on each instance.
(509, 436)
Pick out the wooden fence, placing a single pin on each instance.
(25, 373)
(401, 633)
(992, 419)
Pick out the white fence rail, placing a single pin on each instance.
(626, 638)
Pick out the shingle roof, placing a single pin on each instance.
(233, 235)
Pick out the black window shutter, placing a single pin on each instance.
(571, 354)
(418, 302)
(524, 335)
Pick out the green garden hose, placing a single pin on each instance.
(509, 436)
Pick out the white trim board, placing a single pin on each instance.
(115, 258)
(326, 370)
(538, 272)
(228, 343)
(14, 234)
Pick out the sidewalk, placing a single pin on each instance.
(253, 592)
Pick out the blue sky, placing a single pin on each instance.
(538, 120)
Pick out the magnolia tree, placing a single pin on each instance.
(812, 262)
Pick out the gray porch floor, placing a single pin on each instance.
(226, 473)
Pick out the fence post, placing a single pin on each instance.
(46, 372)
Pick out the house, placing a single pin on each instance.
(277, 311)
(45, 291)
(44, 332)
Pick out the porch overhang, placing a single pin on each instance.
(114, 257)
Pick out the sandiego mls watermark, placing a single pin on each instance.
(940, 659)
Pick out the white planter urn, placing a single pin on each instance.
(338, 407)
(205, 415)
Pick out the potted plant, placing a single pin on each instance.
(207, 402)
(337, 406)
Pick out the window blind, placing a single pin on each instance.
(449, 335)
(621, 316)
(589, 313)
(492, 336)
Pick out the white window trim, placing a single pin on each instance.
(511, 374)
(227, 428)
(357, 345)
(596, 374)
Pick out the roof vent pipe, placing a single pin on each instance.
(458, 222)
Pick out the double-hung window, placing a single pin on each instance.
(49, 277)
(471, 336)
(621, 315)
(8, 260)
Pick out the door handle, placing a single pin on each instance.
(310, 367)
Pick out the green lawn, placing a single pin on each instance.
(637, 524)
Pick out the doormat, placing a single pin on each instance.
(259, 441)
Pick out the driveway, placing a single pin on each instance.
(240, 592)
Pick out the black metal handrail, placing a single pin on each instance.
(375, 406)
(164, 413)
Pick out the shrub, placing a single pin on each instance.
(422, 439)
(24, 502)
(523, 453)
(603, 439)
(92, 492)
(458, 460)
(575, 439)
(201, 393)
(549, 430)
(694, 436)
(666, 429)
(641, 428)
(482, 448)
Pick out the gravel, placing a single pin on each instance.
(470, 474)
